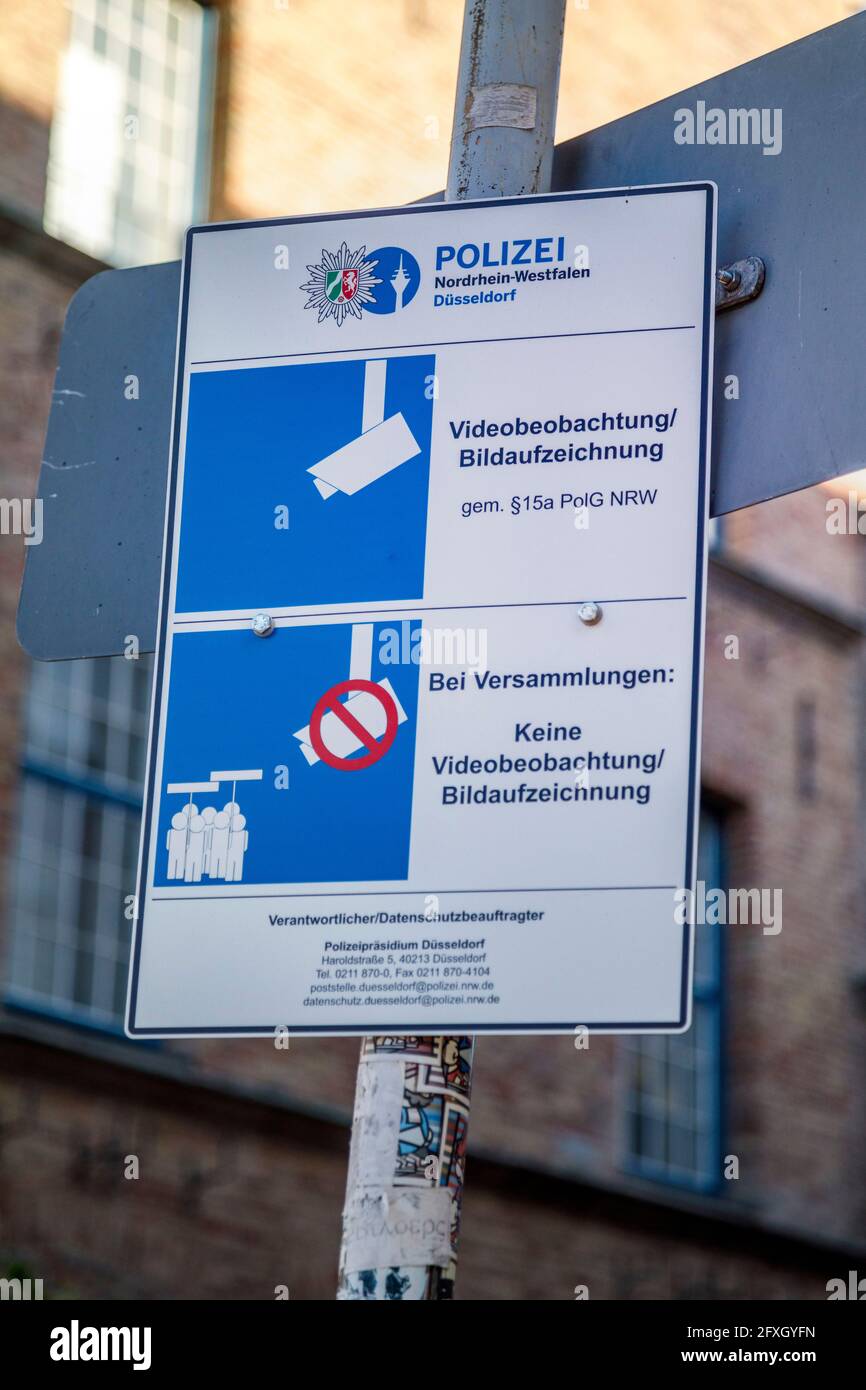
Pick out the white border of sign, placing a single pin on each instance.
(675, 1025)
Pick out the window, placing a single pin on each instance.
(128, 161)
(673, 1085)
(79, 815)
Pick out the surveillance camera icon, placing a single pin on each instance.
(382, 445)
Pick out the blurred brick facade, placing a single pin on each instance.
(243, 1149)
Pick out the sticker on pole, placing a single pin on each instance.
(457, 454)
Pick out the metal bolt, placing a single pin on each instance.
(263, 624)
(728, 279)
(589, 613)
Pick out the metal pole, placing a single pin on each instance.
(401, 1220)
(505, 108)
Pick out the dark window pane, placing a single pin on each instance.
(674, 1083)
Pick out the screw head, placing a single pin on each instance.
(589, 613)
(728, 279)
(262, 624)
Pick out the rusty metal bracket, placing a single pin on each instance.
(739, 282)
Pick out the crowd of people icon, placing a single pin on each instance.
(207, 844)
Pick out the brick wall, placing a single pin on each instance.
(327, 106)
(827, 565)
(338, 106)
(214, 1213)
(32, 38)
(798, 1043)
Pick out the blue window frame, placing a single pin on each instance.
(74, 860)
(674, 1085)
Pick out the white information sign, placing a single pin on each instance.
(426, 718)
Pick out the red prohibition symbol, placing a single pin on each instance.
(376, 748)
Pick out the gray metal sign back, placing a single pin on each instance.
(95, 580)
(791, 174)
(797, 351)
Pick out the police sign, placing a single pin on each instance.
(424, 754)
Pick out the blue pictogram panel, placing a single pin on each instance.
(254, 790)
(306, 484)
